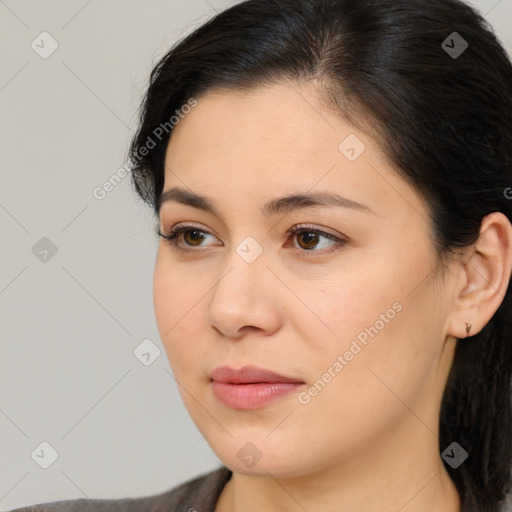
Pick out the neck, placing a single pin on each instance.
(405, 474)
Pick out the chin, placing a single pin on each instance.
(257, 456)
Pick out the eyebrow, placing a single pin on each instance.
(277, 206)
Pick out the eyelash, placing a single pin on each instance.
(172, 238)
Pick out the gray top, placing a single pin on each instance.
(197, 495)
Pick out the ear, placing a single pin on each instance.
(483, 278)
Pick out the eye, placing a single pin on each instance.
(308, 238)
(193, 236)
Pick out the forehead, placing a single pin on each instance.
(277, 140)
(277, 117)
(283, 127)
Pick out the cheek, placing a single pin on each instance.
(177, 306)
(174, 293)
(385, 341)
(372, 325)
(348, 307)
(165, 297)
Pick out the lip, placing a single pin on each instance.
(249, 375)
(250, 387)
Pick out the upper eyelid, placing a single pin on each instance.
(338, 242)
(180, 227)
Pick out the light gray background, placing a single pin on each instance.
(69, 325)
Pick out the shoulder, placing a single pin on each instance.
(506, 504)
(194, 495)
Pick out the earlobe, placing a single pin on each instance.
(486, 275)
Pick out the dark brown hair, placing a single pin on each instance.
(443, 120)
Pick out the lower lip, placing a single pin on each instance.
(252, 396)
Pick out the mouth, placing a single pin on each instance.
(250, 387)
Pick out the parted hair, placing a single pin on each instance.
(441, 114)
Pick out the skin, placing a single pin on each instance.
(369, 440)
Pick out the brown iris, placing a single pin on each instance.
(195, 236)
(310, 238)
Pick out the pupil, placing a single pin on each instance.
(194, 235)
(309, 237)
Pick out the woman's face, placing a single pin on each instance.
(353, 325)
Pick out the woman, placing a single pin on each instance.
(332, 281)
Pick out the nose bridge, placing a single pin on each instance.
(240, 295)
(245, 266)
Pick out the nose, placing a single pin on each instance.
(244, 299)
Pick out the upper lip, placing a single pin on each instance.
(248, 375)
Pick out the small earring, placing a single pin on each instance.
(468, 328)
